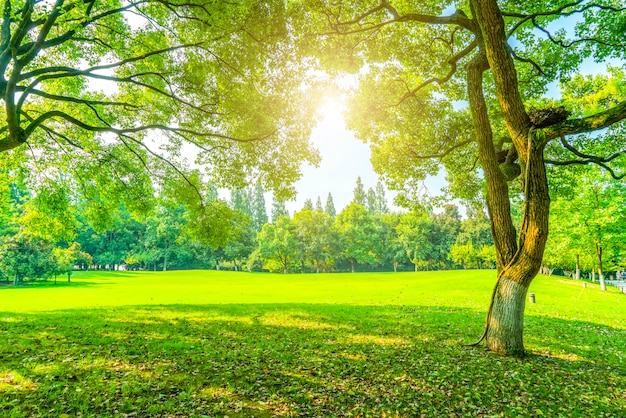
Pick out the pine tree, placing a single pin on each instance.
(381, 199)
(308, 204)
(278, 209)
(257, 206)
(240, 201)
(371, 201)
(330, 206)
(359, 193)
(318, 204)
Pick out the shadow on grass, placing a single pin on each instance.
(61, 281)
(301, 360)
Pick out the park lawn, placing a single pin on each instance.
(208, 343)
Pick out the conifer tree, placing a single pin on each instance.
(257, 206)
(278, 209)
(318, 204)
(371, 201)
(359, 193)
(381, 199)
(330, 206)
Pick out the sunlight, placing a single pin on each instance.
(332, 109)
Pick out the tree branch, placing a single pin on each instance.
(591, 123)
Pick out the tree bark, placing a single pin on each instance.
(600, 272)
(577, 266)
(505, 323)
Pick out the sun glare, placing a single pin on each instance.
(331, 110)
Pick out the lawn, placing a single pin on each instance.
(207, 343)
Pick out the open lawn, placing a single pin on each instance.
(207, 343)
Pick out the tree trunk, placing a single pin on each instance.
(395, 266)
(352, 264)
(600, 272)
(505, 323)
(577, 266)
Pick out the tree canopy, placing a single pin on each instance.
(108, 99)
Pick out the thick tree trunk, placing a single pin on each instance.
(505, 323)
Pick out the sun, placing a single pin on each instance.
(332, 109)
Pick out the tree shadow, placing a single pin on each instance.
(301, 360)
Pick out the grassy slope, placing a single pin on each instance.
(237, 344)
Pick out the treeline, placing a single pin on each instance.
(364, 236)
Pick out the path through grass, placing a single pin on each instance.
(181, 344)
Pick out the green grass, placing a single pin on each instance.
(181, 344)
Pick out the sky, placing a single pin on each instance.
(344, 159)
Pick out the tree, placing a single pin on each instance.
(358, 232)
(308, 205)
(591, 219)
(498, 58)
(26, 256)
(257, 206)
(318, 204)
(415, 231)
(381, 199)
(109, 95)
(278, 209)
(372, 202)
(66, 258)
(390, 248)
(330, 206)
(278, 244)
(359, 197)
(317, 238)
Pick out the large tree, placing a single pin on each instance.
(109, 98)
(466, 90)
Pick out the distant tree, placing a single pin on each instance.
(475, 228)
(414, 233)
(26, 256)
(464, 255)
(381, 199)
(359, 196)
(594, 213)
(257, 207)
(445, 229)
(242, 242)
(389, 249)
(371, 201)
(278, 209)
(308, 204)
(66, 258)
(317, 238)
(278, 244)
(240, 201)
(330, 206)
(318, 204)
(358, 232)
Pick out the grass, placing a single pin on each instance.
(194, 344)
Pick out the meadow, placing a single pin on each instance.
(209, 343)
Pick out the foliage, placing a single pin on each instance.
(357, 229)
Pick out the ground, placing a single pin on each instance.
(231, 344)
